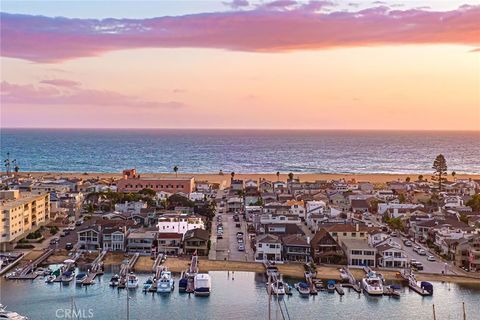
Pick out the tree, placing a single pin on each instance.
(474, 202)
(407, 179)
(440, 167)
(290, 176)
(148, 192)
(402, 198)
(232, 175)
(454, 174)
(175, 169)
(464, 218)
(420, 177)
(278, 175)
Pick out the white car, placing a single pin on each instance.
(422, 252)
(431, 258)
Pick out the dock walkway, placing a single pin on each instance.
(27, 272)
(96, 269)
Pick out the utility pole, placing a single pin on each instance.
(464, 312)
(434, 316)
(269, 298)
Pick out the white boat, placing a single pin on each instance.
(114, 280)
(132, 281)
(372, 284)
(67, 277)
(4, 314)
(202, 284)
(166, 283)
(80, 278)
(344, 275)
(50, 279)
(278, 288)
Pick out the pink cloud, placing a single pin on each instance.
(44, 39)
(61, 83)
(16, 94)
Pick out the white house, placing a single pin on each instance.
(163, 195)
(397, 209)
(130, 207)
(251, 183)
(385, 195)
(179, 223)
(268, 248)
(377, 237)
(452, 202)
(196, 196)
(391, 256)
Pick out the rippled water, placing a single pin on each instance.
(240, 151)
(244, 297)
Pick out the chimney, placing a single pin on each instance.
(308, 240)
(357, 227)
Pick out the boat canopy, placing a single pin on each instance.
(427, 286)
(395, 286)
(303, 285)
(332, 282)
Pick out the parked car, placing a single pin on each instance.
(240, 240)
(219, 236)
(422, 252)
(394, 234)
(68, 246)
(431, 258)
(419, 266)
(408, 243)
(416, 248)
(54, 241)
(237, 225)
(79, 222)
(241, 247)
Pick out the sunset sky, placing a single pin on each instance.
(241, 64)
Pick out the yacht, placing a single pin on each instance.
(114, 280)
(166, 283)
(372, 284)
(132, 281)
(202, 284)
(4, 314)
(80, 278)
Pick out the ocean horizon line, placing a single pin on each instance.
(239, 129)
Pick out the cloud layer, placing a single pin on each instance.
(57, 93)
(293, 27)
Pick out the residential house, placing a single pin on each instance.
(196, 241)
(268, 247)
(89, 238)
(359, 253)
(114, 238)
(296, 248)
(169, 243)
(142, 241)
(325, 249)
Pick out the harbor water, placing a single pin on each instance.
(241, 295)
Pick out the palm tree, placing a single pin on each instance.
(453, 175)
(420, 177)
(232, 175)
(175, 169)
(290, 176)
(278, 175)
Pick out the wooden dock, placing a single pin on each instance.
(352, 283)
(158, 261)
(125, 269)
(311, 284)
(70, 265)
(97, 269)
(339, 289)
(191, 273)
(27, 273)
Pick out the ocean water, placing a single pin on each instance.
(245, 297)
(245, 151)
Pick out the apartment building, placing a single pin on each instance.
(20, 214)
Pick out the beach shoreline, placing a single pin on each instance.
(224, 179)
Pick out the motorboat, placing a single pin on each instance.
(80, 278)
(147, 285)
(344, 275)
(302, 288)
(372, 284)
(183, 284)
(10, 315)
(132, 281)
(202, 284)
(50, 279)
(114, 280)
(67, 277)
(165, 284)
(277, 288)
(392, 291)
(331, 286)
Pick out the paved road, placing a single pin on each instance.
(428, 266)
(227, 248)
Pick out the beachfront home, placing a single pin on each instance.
(296, 248)
(114, 238)
(89, 238)
(169, 243)
(196, 241)
(359, 253)
(234, 204)
(179, 223)
(268, 247)
(325, 249)
(142, 241)
(391, 256)
(130, 206)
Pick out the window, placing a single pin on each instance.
(357, 252)
(344, 234)
(354, 234)
(362, 234)
(334, 234)
(259, 245)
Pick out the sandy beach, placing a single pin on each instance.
(224, 179)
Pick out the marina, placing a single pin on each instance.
(106, 301)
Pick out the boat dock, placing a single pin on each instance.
(125, 269)
(191, 273)
(68, 266)
(409, 276)
(352, 282)
(339, 289)
(97, 269)
(311, 284)
(158, 261)
(156, 276)
(27, 272)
